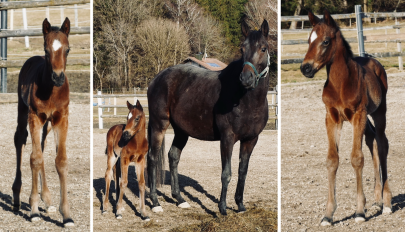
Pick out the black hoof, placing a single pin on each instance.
(241, 208)
(326, 221)
(68, 222)
(223, 211)
(16, 207)
(35, 217)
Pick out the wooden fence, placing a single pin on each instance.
(4, 6)
(384, 38)
(114, 106)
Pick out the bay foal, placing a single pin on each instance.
(355, 87)
(127, 142)
(43, 103)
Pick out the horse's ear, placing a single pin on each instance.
(138, 105)
(46, 27)
(65, 28)
(328, 19)
(265, 29)
(245, 29)
(313, 18)
(130, 106)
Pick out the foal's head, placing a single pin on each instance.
(255, 55)
(322, 44)
(56, 46)
(135, 122)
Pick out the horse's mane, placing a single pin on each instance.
(55, 28)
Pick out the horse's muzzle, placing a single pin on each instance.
(126, 136)
(308, 70)
(58, 80)
(247, 80)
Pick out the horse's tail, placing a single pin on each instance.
(160, 164)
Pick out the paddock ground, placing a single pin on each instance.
(303, 158)
(200, 184)
(78, 150)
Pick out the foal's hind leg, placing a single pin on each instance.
(179, 141)
(333, 127)
(372, 146)
(20, 140)
(45, 193)
(140, 170)
(111, 160)
(246, 148)
(123, 184)
(383, 146)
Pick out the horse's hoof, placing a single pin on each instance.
(376, 206)
(35, 217)
(157, 209)
(359, 217)
(241, 208)
(68, 223)
(104, 212)
(387, 210)
(184, 205)
(223, 212)
(326, 221)
(118, 216)
(145, 219)
(16, 208)
(51, 209)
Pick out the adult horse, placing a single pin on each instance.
(227, 105)
(127, 142)
(43, 103)
(355, 87)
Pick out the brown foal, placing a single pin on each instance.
(127, 142)
(355, 87)
(43, 103)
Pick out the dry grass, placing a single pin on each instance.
(255, 219)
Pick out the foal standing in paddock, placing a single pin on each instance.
(228, 105)
(127, 142)
(43, 103)
(355, 87)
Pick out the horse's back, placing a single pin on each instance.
(29, 72)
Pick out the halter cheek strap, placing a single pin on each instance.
(258, 76)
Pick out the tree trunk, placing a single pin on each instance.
(345, 6)
(296, 12)
(365, 10)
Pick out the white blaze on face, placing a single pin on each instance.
(129, 115)
(56, 45)
(313, 36)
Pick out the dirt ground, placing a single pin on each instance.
(78, 150)
(303, 156)
(200, 185)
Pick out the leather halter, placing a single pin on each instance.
(263, 74)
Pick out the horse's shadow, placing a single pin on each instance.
(398, 202)
(6, 203)
(184, 181)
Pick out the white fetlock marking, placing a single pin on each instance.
(69, 224)
(325, 223)
(387, 210)
(35, 219)
(119, 217)
(157, 209)
(51, 209)
(359, 219)
(184, 205)
(146, 220)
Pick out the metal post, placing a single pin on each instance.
(27, 40)
(359, 25)
(76, 17)
(62, 14)
(115, 103)
(276, 121)
(100, 111)
(47, 13)
(4, 50)
(11, 21)
(400, 63)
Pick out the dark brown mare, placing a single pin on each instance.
(43, 103)
(127, 143)
(355, 87)
(227, 105)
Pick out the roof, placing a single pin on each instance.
(208, 63)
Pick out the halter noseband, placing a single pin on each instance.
(258, 76)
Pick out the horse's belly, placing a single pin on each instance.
(199, 125)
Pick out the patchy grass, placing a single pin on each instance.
(255, 219)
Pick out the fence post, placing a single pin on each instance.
(4, 50)
(276, 121)
(62, 14)
(400, 63)
(100, 111)
(76, 17)
(359, 26)
(115, 108)
(47, 13)
(27, 40)
(11, 21)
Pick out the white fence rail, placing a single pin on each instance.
(113, 105)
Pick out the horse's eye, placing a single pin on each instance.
(263, 49)
(326, 42)
(67, 51)
(137, 118)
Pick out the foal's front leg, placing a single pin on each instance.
(359, 121)
(246, 148)
(333, 127)
(60, 127)
(123, 184)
